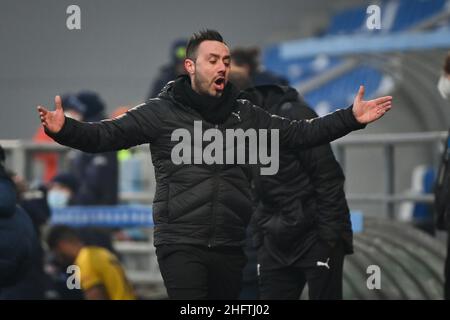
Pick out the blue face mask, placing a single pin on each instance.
(57, 198)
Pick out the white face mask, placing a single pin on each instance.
(58, 198)
(73, 115)
(444, 87)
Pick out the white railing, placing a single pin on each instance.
(388, 142)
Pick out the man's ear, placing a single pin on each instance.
(189, 65)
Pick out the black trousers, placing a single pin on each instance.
(194, 272)
(324, 279)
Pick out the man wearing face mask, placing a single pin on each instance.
(96, 174)
(442, 187)
(444, 80)
(61, 191)
(61, 194)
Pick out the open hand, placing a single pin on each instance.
(52, 120)
(369, 111)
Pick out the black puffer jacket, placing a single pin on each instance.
(307, 195)
(200, 204)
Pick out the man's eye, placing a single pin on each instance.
(212, 61)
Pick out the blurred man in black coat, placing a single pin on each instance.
(18, 240)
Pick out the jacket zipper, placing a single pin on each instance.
(215, 199)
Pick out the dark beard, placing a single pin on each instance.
(198, 84)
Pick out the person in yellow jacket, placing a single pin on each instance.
(100, 273)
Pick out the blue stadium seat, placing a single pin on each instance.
(408, 14)
(339, 92)
(299, 70)
(423, 211)
(348, 21)
(412, 12)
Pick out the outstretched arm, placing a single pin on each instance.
(137, 126)
(310, 133)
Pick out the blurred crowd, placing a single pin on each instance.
(37, 266)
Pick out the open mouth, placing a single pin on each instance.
(219, 84)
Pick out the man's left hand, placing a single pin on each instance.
(372, 110)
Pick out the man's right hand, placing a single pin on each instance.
(52, 120)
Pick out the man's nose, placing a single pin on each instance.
(222, 67)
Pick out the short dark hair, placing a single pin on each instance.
(197, 38)
(246, 57)
(59, 233)
(447, 64)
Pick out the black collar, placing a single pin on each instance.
(215, 110)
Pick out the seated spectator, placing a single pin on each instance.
(61, 193)
(61, 190)
(101, 274)
(96, 174)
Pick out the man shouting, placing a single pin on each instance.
(201, 208)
